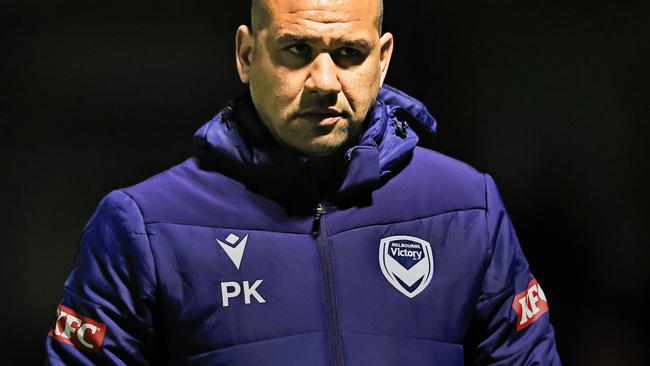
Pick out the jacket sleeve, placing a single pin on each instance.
(511, 321)
(106, 316)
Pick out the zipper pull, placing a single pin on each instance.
(401, 129)
(319, 211)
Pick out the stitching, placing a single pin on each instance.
(153, 255)
(112, 314)
(492, 242)
(257, 341)
(401, 337)
(413, 219)
(225, 228)
(510, 287)
(491, 245)
(306, 233)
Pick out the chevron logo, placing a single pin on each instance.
(234, 248)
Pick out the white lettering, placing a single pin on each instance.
(406, 245)
(530, 304)
(416, 255)
(69, 329)
(60, 314)
(225, 294)
(251, 291)
(525, 312)
(533, 299)
(541, 293)
(82, 331)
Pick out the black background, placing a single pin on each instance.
(549, 97)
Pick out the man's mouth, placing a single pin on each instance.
(322, 117)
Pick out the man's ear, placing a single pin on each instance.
(244, 50)
(386, 51)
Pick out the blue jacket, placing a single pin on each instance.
(238, 256)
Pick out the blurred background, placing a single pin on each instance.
(551, 98)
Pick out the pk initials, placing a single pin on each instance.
(231, 290)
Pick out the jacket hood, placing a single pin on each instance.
(238, 144)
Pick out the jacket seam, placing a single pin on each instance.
(74, 293)
(492, 242)
(307, 233)
(257, 341)
(487, 297)
(413, 219)
(225, 227)
(491, 245)
(153, 254)
(509, 287)
(402, 337)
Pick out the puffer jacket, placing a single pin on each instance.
(238, 257)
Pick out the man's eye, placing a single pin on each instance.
(349, 52)
(299, 49)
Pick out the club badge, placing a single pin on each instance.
(407, 263)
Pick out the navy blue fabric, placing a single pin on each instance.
(151, 268)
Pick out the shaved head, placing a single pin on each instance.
(314, 68)
(260, 14)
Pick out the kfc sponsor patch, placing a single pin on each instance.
(77, 330)
(529, 304)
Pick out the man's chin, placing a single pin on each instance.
(321, 146)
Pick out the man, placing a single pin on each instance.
(309, 229)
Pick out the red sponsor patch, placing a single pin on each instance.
(77, 330)
(529, 304)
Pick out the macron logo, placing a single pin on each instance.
(234, 248)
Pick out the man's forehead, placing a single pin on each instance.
(320, 11)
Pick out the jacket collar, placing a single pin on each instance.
(238, 144)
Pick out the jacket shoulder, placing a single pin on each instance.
(182, 194)
(430, 184)
(448, 170)
(191, 194)
(461, 184)
(443, 183)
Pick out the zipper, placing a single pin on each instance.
(319, 233)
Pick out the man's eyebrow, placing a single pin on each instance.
(355, 43)
(293, 38)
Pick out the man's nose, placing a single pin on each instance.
(323, 76)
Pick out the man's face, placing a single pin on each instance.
(314, 69)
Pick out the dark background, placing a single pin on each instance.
(549, 97)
